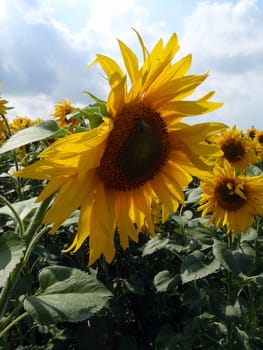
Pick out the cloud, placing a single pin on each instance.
(227, 38)
(44, 56)
(48, 44)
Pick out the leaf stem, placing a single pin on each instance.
(36, 222)
(11, 324)
(19, 221)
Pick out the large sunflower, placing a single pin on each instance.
(233, 200)
(140, 151)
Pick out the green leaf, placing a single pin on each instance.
(165, 282)
(36, 347)
(66, 294)
(158, 243)
(219, 249)
(22, 208)
(184, 219)
(239, 260)
(250, 235)
(194, 267)
(193, 195)
(41, 131)
(94, 115)
(253, 170)
(12, 249)
(99, 102)
(154, 244)
(233, 311)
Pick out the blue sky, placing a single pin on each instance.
(47, 44)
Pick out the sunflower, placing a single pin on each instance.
(259, 138)
(233, 200)
(3, 107)
(62, 110)
(3, 131)
(20, 123)
(238, 149)
(140, 151)
(251, 132)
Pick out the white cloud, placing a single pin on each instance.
(43, 56)
(40, 106)
(227, 38)
(45, 50)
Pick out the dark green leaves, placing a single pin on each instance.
(12, 249)
(195, 267)
(66, 294)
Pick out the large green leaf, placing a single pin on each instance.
(194, 267)
(238, 260)
(66, 294)
(158, 243)
(12, 249)
(41, 131)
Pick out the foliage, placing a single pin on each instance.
(189, 287)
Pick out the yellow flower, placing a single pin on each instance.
(233, 200)
(141, 151)
(251, 132)
(238, 149)
(20, 123)
(21, 153)
(3, 107)
(62, 110)
(3, 131)
(258, 143)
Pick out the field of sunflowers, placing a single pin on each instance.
(123, 227)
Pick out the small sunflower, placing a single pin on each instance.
(259, 137)
(3, 131)
(238, 149)
(62, 110)
(251, 132)
(3, 107)
(20, 123)
(141, 151)
(233, 200)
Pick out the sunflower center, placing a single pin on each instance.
(233, 150)
(227, 196)
(252, 134)
(137, 149)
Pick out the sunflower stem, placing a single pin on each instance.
(36, 222)
(11, 324)
(16, 215)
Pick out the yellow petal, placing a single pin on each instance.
(131, 62)
(111, 68)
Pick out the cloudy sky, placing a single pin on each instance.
(47, 44)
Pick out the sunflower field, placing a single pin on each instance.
(123, 227)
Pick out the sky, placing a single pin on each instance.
(46, 46)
